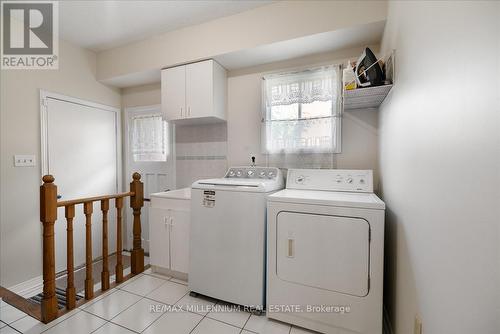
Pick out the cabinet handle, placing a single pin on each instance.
(181, 111)
(165, 221)
(189, 111)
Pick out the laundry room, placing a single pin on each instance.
(250, 166)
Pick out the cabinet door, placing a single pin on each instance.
(159, 235)
(173, 92)
(199, 89)
(179, 241)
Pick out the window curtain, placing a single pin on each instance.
(149, 138)
(301, 117)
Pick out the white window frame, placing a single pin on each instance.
(338, 116)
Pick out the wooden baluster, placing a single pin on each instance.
(70, 287)
(105, 270)
(48, 217)
(88, 208)
(119, 264)
(136, 203)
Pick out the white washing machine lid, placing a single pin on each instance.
(330, 198)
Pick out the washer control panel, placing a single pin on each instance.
(269, 173)
(331, 180)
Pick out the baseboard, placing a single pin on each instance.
(28, 288)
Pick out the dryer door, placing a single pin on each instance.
(325, 252)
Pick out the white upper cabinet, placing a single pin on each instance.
(194, 93)
(173, 92)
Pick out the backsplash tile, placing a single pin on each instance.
(201, 152)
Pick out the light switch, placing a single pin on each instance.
(24, 161)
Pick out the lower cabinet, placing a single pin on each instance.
(169, 239)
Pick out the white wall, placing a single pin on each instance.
(279, 21)
(359, 128)
(440, 167)
(200, 149)
(20, 227)
(145, 95)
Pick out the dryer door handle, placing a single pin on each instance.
(290, 246)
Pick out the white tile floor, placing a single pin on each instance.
(141, 305)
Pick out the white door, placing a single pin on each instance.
(179, 241)
(199, 89)
(173, 92)
(149, 151)
(325, 252)
(80, 149)
(160, 237)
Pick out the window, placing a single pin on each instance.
(149, 138)
(301, 111)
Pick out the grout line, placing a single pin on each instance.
(158, 301)
(24, 316)
(227, 323)
(164, 314)
(116, 314)
(246, 323)
(71, 316)
(130, 329)
(15, 330)
(199, 322)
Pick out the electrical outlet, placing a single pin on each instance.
(24, 161)
(418, 325)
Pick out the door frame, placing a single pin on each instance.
(126, 139)
(126, 146)
(44, 149)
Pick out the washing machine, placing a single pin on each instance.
(325, 250)
(228, 235)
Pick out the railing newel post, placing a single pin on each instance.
(48, 217)
(136, 203)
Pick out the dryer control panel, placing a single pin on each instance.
(330, 180)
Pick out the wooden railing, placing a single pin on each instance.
(48, 217)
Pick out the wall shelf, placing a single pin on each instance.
(365, 98)
(372, 97)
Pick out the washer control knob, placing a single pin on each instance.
(270, 174)
(349, 180)
(250, 173)
(231, 173)
(238, 173)
(262, 174)
(300, 179)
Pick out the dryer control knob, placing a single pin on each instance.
(300, 179)
(250, 173)
(349, 180)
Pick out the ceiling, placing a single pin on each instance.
(357, 36)
(362, 35)
(101, 25)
